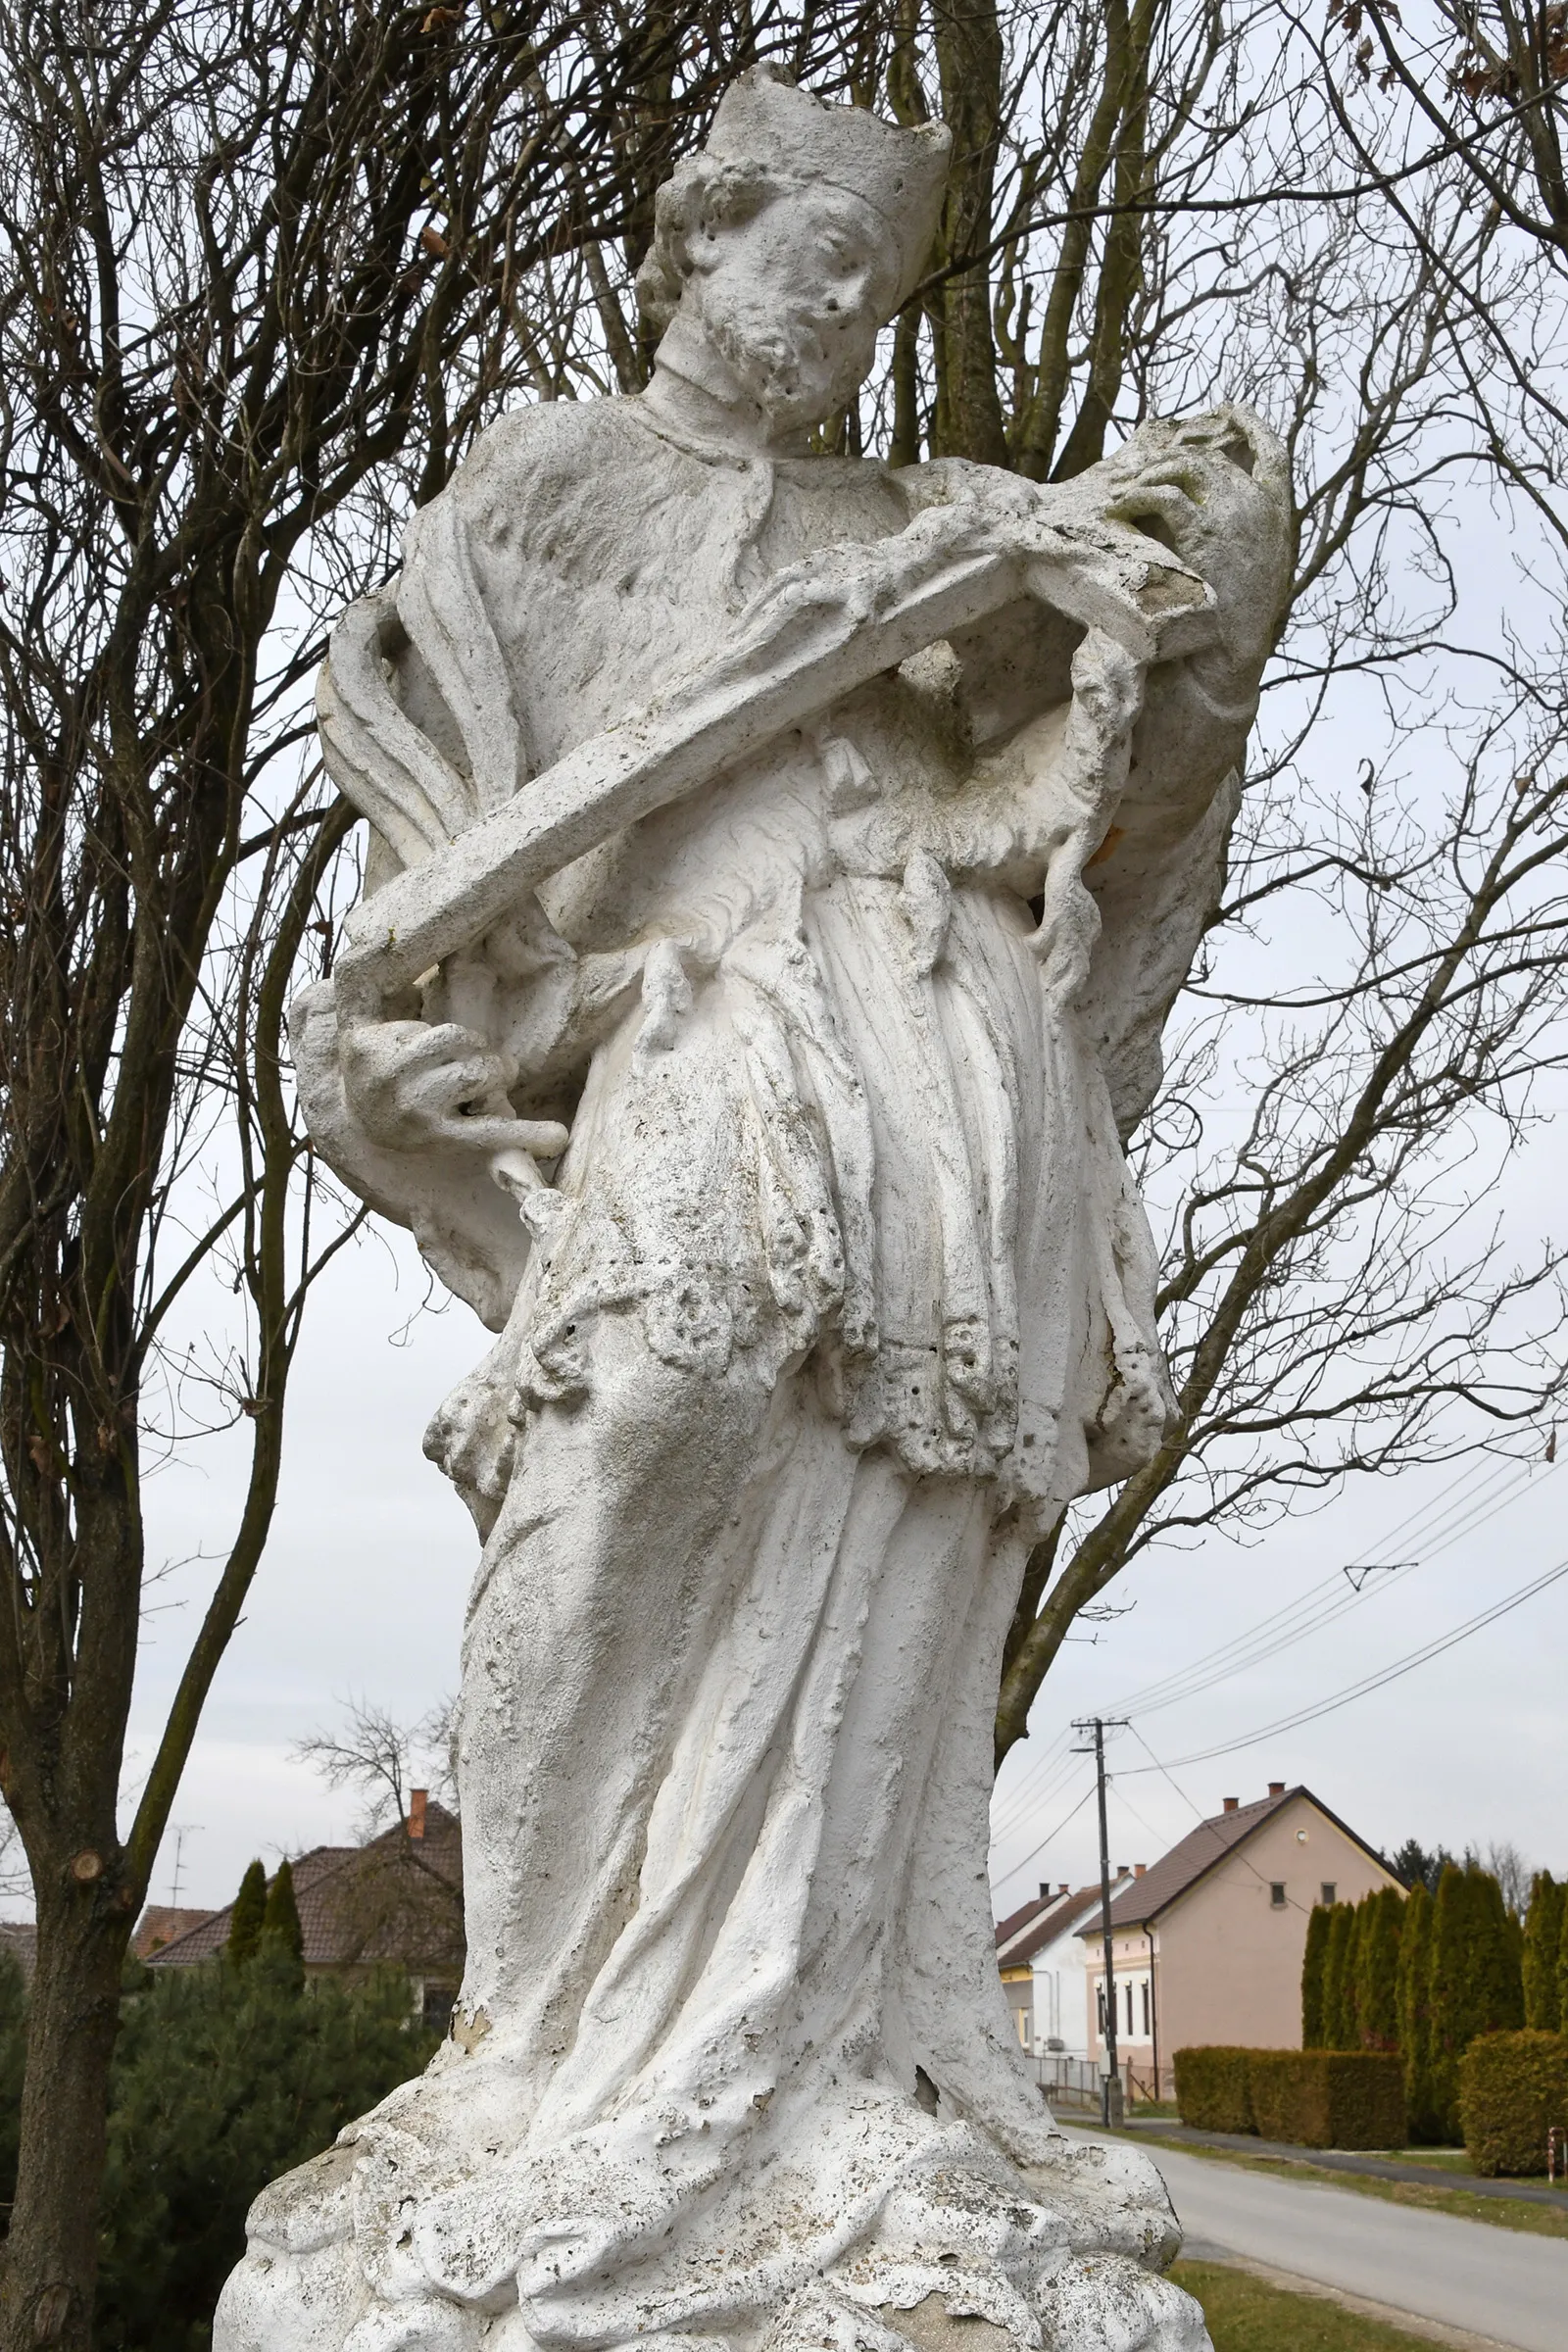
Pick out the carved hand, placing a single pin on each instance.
(816, 604)
(1217, 489)
(417, 1088)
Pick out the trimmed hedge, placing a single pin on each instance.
(1212, 2088)
(1512, 2088)
(1310, 2098)
(1329, 2099)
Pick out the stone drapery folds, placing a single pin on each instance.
(780, 872)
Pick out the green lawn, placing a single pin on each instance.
(1247, 2315)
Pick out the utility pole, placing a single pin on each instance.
(1110, 2100)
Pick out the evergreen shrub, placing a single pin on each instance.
(1329, 2099)
(1377, 1967)
(1341, 2030)
(1413, 2002)
(1312, 1960)
(281, 1921)
(1512, 2088)
(224, 2078)
(1542, 1941)
(246, 1917)
(1477, 1986)
(1213, 2092)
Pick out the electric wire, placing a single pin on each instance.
(1326, 1603)
(1373, 1682)
(1438, 1528)
(1437, 1525)
(1049, 1839)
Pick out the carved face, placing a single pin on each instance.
(792, 297)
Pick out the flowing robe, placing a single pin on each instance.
(845, 1293)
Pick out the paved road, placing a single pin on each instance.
(1499, 2283)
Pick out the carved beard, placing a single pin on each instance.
(778, 358)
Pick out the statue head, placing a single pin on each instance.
(791, 239)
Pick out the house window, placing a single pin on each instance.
(1329, 1891)
(435, 2006)
(1145, 1989)
(1129, 2010)
(1276, 1894)
(1099, 1999)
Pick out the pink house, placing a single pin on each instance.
(1208, 1945)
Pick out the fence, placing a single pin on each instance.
(1073, 2085)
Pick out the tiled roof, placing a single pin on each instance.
(1041, 1924)
(1186, 1864)
(1199, 1851)
(396, 1899)
(1064, 1913)
(1025, 1912)
(160, 1923)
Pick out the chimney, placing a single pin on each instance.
(1064, 1886)
(1276, 1787)
(1122, 1871)
(1138, 1869)
(1231, 1803)
(416, 1803)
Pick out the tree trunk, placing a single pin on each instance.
(969, 406)
(51, 2256)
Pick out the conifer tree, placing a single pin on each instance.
(1339, 1980)
(280, 1923)
(1377, 1965)
(1413, 1991)
(1312, 1960)
(1498, 1950)
(1476, 1982)
(245, 1920)
(1563, 1966)
(225, 2079)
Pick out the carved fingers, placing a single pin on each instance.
(415, 1086)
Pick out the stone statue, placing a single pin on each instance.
(780, 869)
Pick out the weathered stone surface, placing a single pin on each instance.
(780, 871)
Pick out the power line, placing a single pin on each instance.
(1374, 1681)
(1436, 1524)
(1323, 1603)
(1048, 1840)
(1205, 1821)
(1044, 1777)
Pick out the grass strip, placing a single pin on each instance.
(1248, 2315)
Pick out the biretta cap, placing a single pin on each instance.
(763, 117)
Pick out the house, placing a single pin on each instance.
(1041, 1964)
(1208, 1945)
(160, 1923)
(396, 1901)
(20, 1937)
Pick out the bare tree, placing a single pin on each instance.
(267, 268)
(1513, 1873)
(375, 1755)
(265, 271)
